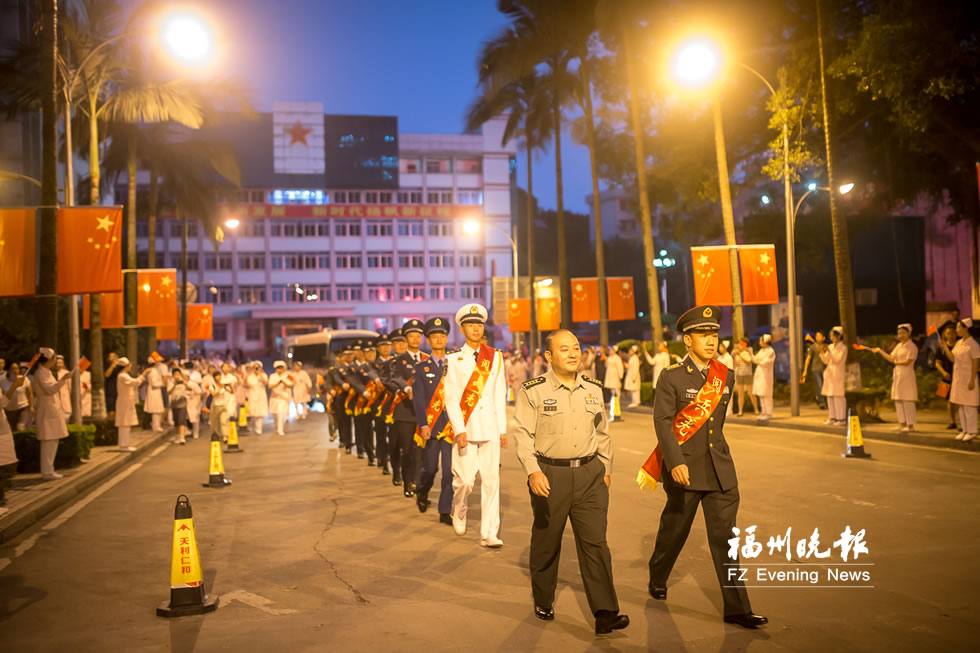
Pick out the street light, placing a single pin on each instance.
(472, 227)
(697, 62)
(187, 37)
(812, 188)
(232, 223)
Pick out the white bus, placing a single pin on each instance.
(316, 350)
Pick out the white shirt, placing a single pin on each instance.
(489, 417)
(904, 387)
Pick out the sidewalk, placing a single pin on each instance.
(930, 431)
(30, 498)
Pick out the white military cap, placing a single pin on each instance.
(906, 326)
(47, 352)
(471, 313)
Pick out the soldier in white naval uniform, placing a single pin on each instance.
(475, 382)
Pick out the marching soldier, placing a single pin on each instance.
(435, 432)
(476, 400)
(563, 443)
(362, 380)
(383, 401)
(693, 460)
(342, 388)
(401, 371)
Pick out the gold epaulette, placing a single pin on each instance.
(530, 383)
(670, 367)
(591, 380)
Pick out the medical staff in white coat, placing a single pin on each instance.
(479, 438)
(764, 360)
(614, 376)
(60, 372)
(280, 392)
(155, 387)
(658, 361)
(127, 388)
(905, 391)
(302, 385)
(195, 385)
(50, 419)
(632, 383)
(258, 400)
(8, 455)
(85, 381)
(834, 357)
(963, 391)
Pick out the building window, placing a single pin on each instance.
(323, 261)
(440, 228)
(253, 331)
(379, 260)
(289, 230)
(469, 166)
(251, 294)
(385, 197)
(415, 197)
(347, 228)
(323, 229)
(309, 229)
(409, 293)
(142, 229)
(442, 291)
(470, 261)
(309, 261)
(379, 228)
(438, 165)
(219, 331)
(409, 227)
(354, 197)
(278, 295)
(258, 197)
(192, 229)
(471, 291)
(371, 197)
(432, 197)
(409, 165)
(253, 228)
(411, 260)
(192, 260)
(440, 259)
(340, 197)
(318, 294)
(283, 261)
(251, 261)
(175, 229)
(223, 296)
(348, 261)
(470, 197)
(217, 261)
(380, 293)
(348, 293)
(142, 259)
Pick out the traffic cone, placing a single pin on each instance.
(187, 593)
(216, 468)
(855, 442)
(614, 410)
(243, 416)
(233, 439)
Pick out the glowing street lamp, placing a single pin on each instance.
(697, 62)
(846, 188)
(232, 223)
(188, 38)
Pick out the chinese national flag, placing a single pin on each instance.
(620, 298)
(585, 299)
(111, 309)
(90, 250)
(17, 251)
(758, 267)
(712, 276)
(519, 315)
(549, 313)
(168, 332)
(156, 292)
(200, 321)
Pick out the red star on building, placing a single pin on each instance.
(297, 133)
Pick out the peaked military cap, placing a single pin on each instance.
(700, 318)
(397, 336)
(437, 325)
(413, 326)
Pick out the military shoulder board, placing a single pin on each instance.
(591, 380)
(453, 351)
(533, 382)
(670, 367)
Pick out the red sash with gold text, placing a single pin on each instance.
(433, 412)
(691, 418)
(478, 380)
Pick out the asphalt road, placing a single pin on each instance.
(311, 550)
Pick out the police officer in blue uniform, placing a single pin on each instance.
(401, 371)
(699, 472)
(362, 376)
(428, 375)
(383, 346)
(338, 375)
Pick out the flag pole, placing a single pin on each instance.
(182, 332)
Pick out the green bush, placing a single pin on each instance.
(646, 393)
(106, 433)
(72, 450)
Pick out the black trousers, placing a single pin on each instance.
(344, 423)
(720, 510)
(436, 450)
(381, 440)
(364, 435)
(579, 494)
(401, 448)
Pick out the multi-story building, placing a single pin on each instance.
(344, 223)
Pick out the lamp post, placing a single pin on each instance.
(472, 227)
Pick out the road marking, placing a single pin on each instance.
(843, 437)
(253, 600)
(633, 451)
(29, 542)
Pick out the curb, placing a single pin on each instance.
(17, 521)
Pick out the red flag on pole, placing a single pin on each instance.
(199, 324)
(17, 252)
(549, 315)
(90, 250)
(156, 295)
(519, 315)
(585, 299)
(110, 308)
(620, 298)
(712, 275)
(757, 264)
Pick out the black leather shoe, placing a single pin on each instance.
(544, 614)
(384, 471)
(370, 462)
(659, 593)
(396, 479)
(409, 493)
(607, 621)
(348, 450)
(360, 456)
(422, 500)
(747, 620)
(446, 519)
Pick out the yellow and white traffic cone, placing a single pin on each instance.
(243, 416)
(216, 467)
(187, 593)
(855, 441)
(233, 439)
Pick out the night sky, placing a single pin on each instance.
(415, 60)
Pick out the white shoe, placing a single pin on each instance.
(53, 476)
(969, 436)
(492, 543)
(905, 429)
(830, 422)
(960, 435)
(459, 525)
(632, 405)
(900, 427)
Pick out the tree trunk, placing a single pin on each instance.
(182, 336)
(564, 286)
(728, 217)
(130, 304)
(842, 249)
(653, 287)
(153, 207)
(600, 256)
(47, 302)
(533, 334)
(95, 300)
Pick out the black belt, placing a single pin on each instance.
(566, 462)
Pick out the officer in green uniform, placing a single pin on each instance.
(701, 470)
(563, 443)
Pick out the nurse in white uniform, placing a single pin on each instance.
(963, 390)
(834, 357)
(905, 392)
(764, 361)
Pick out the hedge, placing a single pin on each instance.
(72, 450)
